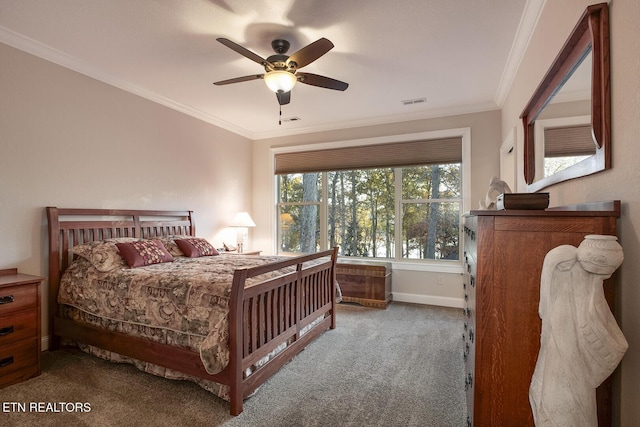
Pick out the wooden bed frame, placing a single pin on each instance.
(261, 317)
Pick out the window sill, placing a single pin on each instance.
(453, 267)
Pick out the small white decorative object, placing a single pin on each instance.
(496, 187)
(581, 343)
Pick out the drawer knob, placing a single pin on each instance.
(468, 382)
(6, 361)
(6, 331)
(6, 299)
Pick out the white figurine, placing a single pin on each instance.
(496, 188)
(581, 343)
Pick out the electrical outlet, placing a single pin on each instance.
(440, 280)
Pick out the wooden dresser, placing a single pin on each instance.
(504, 252)
(365, 284)
(19, 326)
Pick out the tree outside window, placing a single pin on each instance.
(359, 212)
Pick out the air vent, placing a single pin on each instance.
(414, 101)
(291, 119)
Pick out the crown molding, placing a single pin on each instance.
(520, 44)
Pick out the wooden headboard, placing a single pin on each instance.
(72, 227)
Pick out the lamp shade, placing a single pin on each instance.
(243, 219)
(280, 81)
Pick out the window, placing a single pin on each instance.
(565, 146)
(397, 212)
(431, 208)
(361, 219)
(299, 206)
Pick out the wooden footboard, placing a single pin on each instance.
(291, 309)
(275, 317)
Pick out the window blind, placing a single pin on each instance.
(569, 141)
(410, 153)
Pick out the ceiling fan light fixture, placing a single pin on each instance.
(280, 81)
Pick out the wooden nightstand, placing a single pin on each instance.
(19, 326)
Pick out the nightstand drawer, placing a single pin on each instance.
(22, 355)
(15, 298)
(18, 326)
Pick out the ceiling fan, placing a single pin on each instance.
(281, 71)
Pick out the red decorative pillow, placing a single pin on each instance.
(194, 247)
(144, 252)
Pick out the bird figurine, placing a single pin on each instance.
(496, 188)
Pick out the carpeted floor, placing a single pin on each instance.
(397, 367)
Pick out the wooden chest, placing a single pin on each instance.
(365, 284)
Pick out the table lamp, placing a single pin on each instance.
(242, 221)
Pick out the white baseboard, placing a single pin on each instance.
(428, 300)
(44, 343)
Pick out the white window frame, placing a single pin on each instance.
(423, 265)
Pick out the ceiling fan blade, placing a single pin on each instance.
(321, 81)
(243, 51)
(283, 97)
(311, 52)
(239, 79)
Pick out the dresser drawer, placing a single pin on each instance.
(18, 326)
(15, 298)
(22, 355)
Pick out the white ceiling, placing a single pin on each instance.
(460, 55)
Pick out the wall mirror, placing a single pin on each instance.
(567, 131)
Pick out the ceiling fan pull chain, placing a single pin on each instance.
(280, 118)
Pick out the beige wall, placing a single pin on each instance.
(70, 141)
(623, 180)
(409, 284)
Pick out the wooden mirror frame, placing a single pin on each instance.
(591, 33)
